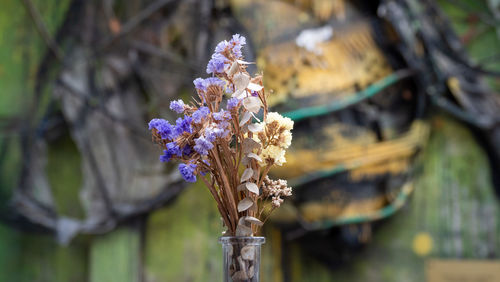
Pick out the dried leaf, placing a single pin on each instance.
(252, 104)
(239, 275)
(247, 174)
(241, 62)
(254, 86)
(233, 69)
(246, 117)
(242, 230)
(240, 94)
(241, 187)
(254, 220)
(249, 144)
(242, 221)
(241, 81)
(252, 187)
(251, 272)
(254, 156)
(255, 127)
(245, 160)
(244, 204)
(248, 252)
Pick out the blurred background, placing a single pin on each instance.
(395, 163)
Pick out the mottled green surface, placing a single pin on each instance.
(65, 176)
(22, 49)
(115, 257)
(21, 52)
(35, 257)
(9, 168)
(181, 239)
(10, 253)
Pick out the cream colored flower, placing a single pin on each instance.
(285, 122)
(287, 139)
(273, 155)
(274, 136)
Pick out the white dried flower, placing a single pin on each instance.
(276, 201)
(285, 122)
(272, 155)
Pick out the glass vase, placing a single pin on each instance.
(241, 258)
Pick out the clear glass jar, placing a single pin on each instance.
(241, 258)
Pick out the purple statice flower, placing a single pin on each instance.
(237, 42)
(217, 63)
(199, 84)
(154, 123)
(202, 84)
(232, 103)
(164, 128)
(221, 46)
(222, 129)
(166, 156)
(186, 151)
(210, 134)
(173, 149)
(187, 171)
(200, 114)
(183, 125)
(236, 50)
(221, 115)
(202, 145)
(213, 81)
(177, 106)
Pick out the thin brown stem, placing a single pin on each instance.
(220, 205)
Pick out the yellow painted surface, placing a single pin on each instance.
(422, 244)
(315, 211)
(350, 60)
(360, 153)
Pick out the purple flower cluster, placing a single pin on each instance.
(183, 125)
(218, 62)
(172, 150)
(202, 145)
(232, 103)
(222, 115)
(177, 106)
(203, 84)
(199, 129)
(237, 42)
(169, 133)
(164, 128)
(199, 84)
(188, 172)
(200, 114)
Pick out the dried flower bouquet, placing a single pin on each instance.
(228, 146)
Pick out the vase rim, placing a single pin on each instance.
(257, 240)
